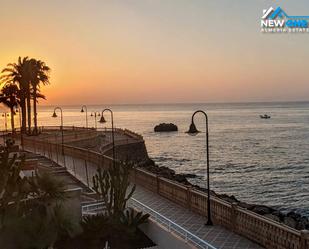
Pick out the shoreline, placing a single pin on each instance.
(291, 218)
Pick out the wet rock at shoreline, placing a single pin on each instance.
(289, 221)
(245, 205)
(190, 175)
(230, 199)
(166, 172)
(164, 127)
(272, 217)
(262, 210)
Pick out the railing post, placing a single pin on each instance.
(233, 218)
(86, 168)
(74, 169)
(44, 148)
(304, 239)
(34, 143)
(189, 198)
(50, 152)
(158, 184)
(57, 152)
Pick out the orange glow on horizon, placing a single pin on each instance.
(111, 52)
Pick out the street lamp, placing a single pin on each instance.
(20, 124)
(102, 120)
(61, 128)
(95, 118)
(82, 110)
(193, 131)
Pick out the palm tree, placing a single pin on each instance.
(19, 73)
(40, 75)
(9, 97)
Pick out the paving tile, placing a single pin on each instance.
(217, 236)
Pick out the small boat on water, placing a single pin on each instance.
(265, 116)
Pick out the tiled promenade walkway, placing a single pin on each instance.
(217, 236)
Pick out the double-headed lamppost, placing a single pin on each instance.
(102, 120)
(95, 118)
(61, 128)
(82, 110)
(192, 130)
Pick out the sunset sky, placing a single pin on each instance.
(157, 51)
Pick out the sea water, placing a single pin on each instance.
(263, 161)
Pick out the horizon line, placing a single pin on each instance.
(181, 103)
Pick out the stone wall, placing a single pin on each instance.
(135, 152)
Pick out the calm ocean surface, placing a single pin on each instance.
(257, 160)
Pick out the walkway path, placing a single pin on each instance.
(217, 236)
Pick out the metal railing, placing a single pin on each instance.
(171, 226)
(93, 208)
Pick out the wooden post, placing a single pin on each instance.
(304, 239)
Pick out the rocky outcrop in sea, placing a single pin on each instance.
(163, 127)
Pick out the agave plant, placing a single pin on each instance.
(132, 219)
(93, 224)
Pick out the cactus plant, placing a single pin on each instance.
(112, 186)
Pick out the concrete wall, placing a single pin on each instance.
(136, 152)
(73, 204)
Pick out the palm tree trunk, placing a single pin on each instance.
(12, 120)
(29, 113)
(35, 111)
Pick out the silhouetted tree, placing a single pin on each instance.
(19, 74)
(10, 97)
(40, 75)
(27, 74)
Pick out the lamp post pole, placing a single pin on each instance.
(82, 110)
(61, 128)
(113, 135)
(95, 119)
(193, 130)
(20, 124)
